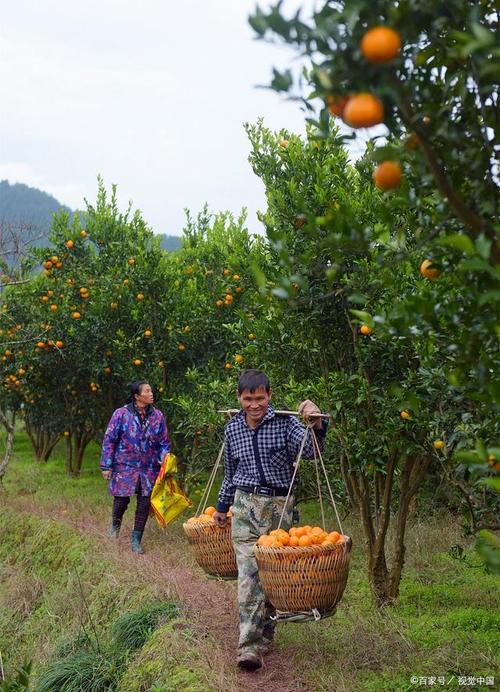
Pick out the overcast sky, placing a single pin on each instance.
(150, 94)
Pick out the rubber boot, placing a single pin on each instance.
(114, 529)
(136, 542)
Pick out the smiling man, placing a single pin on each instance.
(260, 450)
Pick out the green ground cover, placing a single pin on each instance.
(60, 595)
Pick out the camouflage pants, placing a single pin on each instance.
(254, 515)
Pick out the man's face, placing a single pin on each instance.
(254, 404)
(145, 395)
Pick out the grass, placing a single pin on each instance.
(53, 581)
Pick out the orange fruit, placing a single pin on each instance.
(300, 531)
(45, 299)
(305, 540)
(252, 337)
(365, 329)
(59, 344)
(47, 264)
(438, 444)
(137, 361)
(363, 110)
(405, 415)
(228, 298)
(131, 261)
(140, 296)
(148, 332)
(75, 315)
(54, 259)
(284, 143)
(113, 306)
(238, 359)
(236, 277)
(107, 371)
(228, 366)
(69, 244)
(380, 44)
(264, 540)
(219, 303)
(41, 344)
(293, 531)
(293, 542)
(83, 234)
(428, 270)
(226, 272)
(387, 175)
(53, 307)
(334, 536)
(210, 511)
(181, 347)
(336, 104)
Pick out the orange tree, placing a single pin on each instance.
(387, 391)
(431, 77)
(94, 316)
(429, 73)
(210, 296)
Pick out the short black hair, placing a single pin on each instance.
(253, 380)
(135, 390)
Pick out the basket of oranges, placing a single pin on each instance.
(303, 569)
(211, 545)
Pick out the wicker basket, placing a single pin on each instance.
(300, 579)
(212, 548)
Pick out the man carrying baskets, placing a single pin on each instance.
(260, 450)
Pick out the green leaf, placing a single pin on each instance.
(363, 317)
(459, 242)
(493, 483)
(467, 457)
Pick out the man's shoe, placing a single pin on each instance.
(266, 645)
(249, 661)
(136, 542)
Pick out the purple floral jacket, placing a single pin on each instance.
(134, 450)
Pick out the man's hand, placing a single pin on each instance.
(306, 409)
(107, 474)
(220, 519)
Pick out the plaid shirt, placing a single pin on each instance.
(264, 455)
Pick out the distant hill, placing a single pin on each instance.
(31, 210)
(27, 209)
(170, 242)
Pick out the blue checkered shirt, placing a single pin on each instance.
(264, 455)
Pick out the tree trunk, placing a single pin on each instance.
(9, 443)
(43, 441)
(379, 578)
(76, 444)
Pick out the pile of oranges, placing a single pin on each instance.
(300, 537)
(207, 515)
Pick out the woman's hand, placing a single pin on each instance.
(107, 474)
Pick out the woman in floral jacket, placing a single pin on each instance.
(134, 445)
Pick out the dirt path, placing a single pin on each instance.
(210, 605)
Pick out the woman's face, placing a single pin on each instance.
(145, 395)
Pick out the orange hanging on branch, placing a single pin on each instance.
(363, 110)
(380, 44)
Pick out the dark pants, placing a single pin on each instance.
(120, 504)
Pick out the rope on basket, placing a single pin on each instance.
(317, 454)
(211, 480)
(303, 616)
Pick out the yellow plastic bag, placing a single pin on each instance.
(167, 498)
